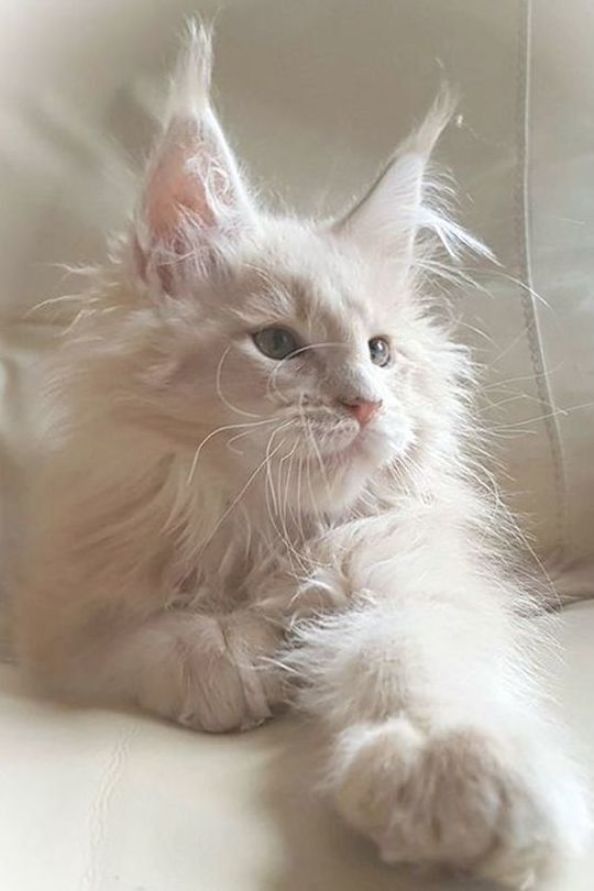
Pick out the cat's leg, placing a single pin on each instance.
(92, 610)
(439, 750)
(212, 672)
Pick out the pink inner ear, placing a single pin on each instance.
(173, 189)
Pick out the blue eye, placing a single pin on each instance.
(276, 343)
(379, 351)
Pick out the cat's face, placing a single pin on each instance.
(306, 360)
(298, 350)
(319, 353)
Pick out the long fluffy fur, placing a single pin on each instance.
(210, 530)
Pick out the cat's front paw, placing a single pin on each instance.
(220, 674)
(461, 800)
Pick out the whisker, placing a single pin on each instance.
(224, 400)
(243, 490)
(282, 532)
(558, 412)
(280, 364)
(323, 472)
(229, 443)
(546, 373)
(213, 433)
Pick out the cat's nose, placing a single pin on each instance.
(363, 410)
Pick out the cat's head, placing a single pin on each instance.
(297, 351)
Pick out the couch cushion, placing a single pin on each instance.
(109, 801)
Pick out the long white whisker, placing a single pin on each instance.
(276, 509)
(318, 455)
(272, 508)
(558, 412)
(224, 400)
(281, 363)
(214, 433)
(241, 493)
(546, 373)
(229, 443)
(298, 555)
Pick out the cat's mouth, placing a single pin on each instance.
(344, 452)
(331, 440)
(347, 448)
(337, 443)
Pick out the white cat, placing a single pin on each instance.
(257, 419)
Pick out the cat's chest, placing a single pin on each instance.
(215, 580)
(244, 552)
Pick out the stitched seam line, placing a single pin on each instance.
(101, 805)
(527, 295)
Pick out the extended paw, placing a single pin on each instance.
(460, 800)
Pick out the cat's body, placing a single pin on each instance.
(255, 420)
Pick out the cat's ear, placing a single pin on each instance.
(194, 200)
(406, 199)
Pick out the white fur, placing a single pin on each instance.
(208, 525)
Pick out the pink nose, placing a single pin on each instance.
(362, 410)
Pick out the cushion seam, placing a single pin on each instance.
(527, 294)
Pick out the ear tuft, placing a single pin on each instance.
(194, 196)
(409, 198)
(190, 84)
(423, 140)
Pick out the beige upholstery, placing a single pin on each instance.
(314, 93)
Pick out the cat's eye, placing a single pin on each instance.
(276, 343)
(379, 351)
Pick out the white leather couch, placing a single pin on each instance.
(315, 93)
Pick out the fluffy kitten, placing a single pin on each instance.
(256, 419)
